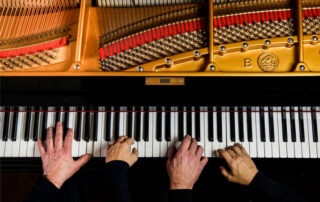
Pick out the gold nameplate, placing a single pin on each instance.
(164, 81)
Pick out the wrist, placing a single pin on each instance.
(55, 182)
(180, 186)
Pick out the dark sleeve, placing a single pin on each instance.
(180, 195)
(264, 187)
(117, 183)
(43, 191)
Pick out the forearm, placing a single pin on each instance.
(262, 186)
(116, 179)
(180, 195)
(44, 191)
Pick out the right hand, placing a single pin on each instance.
(242, 169)
(121, 150)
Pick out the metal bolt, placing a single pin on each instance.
(223, 48)
(290, 40)
(140, 69)
(168, 61)
(267, 42)
(314, 38)
(76, 66)
(212, 67)
(196, 53)
(245, 45)
(302, 67)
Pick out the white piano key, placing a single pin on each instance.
(311, 144)
(282, 144)
(141, 143)
(297, 143)
(155, 142)
(150, 133)
(223, 143)
(135, 144)
(236, 124)
(72, 125)
(290, 145)
(318, 128)
(82, 143)
(175, 126)
(227, 127)
(103, 131)
(185, 121)
(208, 152)
(193, 121)
(19, 144)
(31, 143)
(97, 143)
(121, 121)
(215, 143)
(164, 145)
(305, 143)
(253, 144)
(267, 144)
(9, 142)
(2, 143)
(245, 142)
(202, 128)
(275, 144)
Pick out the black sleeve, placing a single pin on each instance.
(269, 190)
(116, 180)
(180, 195)
(43, 191)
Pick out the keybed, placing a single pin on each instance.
(265, 131)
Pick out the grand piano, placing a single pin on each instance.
(221, 71)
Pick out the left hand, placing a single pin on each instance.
(56, 155)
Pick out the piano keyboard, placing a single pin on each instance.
(265, 131)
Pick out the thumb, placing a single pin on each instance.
(83, 160)
(226, 174)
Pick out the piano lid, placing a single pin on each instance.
(186, 39)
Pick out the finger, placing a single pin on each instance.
(135, 152)
(242, 149)
(121, 139)
(129, 141)
(193, 145)
(231, 152)
(199, 151)
(185, 143)
(67, 145)
(203, 162)
(49, 140)
(225, 155)
(58, 139)
(172, 151)
(225, 173)
(237, 149)
(83, 160)
(42, 151)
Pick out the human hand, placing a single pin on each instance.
(242, 169)
(185, 165)
(56, 155)
(121, 150)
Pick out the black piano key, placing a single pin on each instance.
(79, 124)
(168, 124)
(210, 124)
(138, 125)
(249, 123)
(301, 125)
(87, 123)
(66, 120)
(292, 123)
(107, 120)
(95, 124)
(314, 125)
(44, 123)
(189, 121)
(219, 124)
(240, 120)
(180, 124)
(6, 124)
(27, 124)
(116, 122)
(271, 125)
(36, 123)
(159, 124)
(145, 135)
(197, 124)
(284, 124)
(262, 125)
(232, 125)
(15, 124)
(129, 122)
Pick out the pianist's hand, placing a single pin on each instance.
(56, 155)
(241, 167)
(185, 165)
(121, 150)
